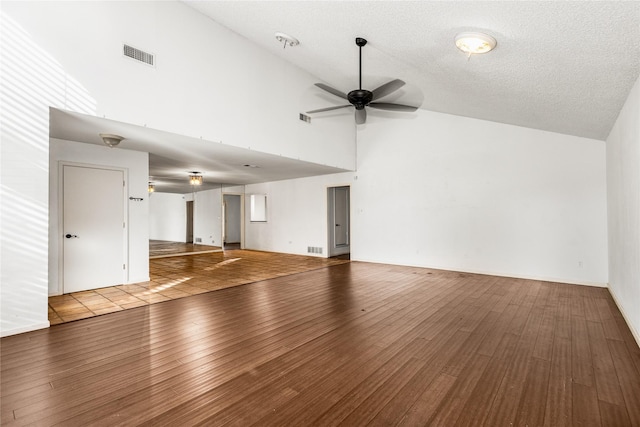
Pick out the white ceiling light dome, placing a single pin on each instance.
(474, 42)
(110, 139)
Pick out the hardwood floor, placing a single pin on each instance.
(351, 344)
(175, 277)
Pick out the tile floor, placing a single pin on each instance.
(182, 276)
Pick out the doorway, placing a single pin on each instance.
(189, 236)
(339, 226)
(232, 221)
(94, 232)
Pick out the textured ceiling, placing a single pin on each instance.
(559, 66)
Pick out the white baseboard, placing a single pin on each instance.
(23, 329)
(493, 273)
(634, 332)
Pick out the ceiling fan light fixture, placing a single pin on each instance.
(286, 40)
(473, 42)
(110, 139)
(361, 98)
(195, 178)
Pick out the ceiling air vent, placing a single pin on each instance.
(138, 55)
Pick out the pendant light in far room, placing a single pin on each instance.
(195, 178)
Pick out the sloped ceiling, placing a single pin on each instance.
(559, 66)
(563, 67)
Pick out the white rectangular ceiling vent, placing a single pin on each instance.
(139, 55)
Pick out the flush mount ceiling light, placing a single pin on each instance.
(286, 39)
(195, 178)
(472, 43)
(110, 139)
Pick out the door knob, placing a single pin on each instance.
(71, 236)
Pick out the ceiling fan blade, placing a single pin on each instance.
(328, 109)
(392, 107)
(387, 88)
(361, 116)
(331, 90)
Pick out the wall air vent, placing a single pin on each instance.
(305, 118)
(139, 55)
(314, 249)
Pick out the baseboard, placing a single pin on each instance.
(22, 330)
(634, 332)
(493, 273)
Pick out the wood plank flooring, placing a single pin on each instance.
(182, 276)
(351, 344)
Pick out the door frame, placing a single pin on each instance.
(331, 249)
(223, 217)
(60, 230)
(190, 216)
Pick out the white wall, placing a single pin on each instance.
(462, 194)
(136, 165)
(200, 86)
(207, 215)
(167, 217)
(75, 63)
(455, 193)
(296, 214)
(623, 189)
(24, 152)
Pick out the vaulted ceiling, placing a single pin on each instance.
(559, 66)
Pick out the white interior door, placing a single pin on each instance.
(93, 228)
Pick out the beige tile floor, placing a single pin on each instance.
(183, 276)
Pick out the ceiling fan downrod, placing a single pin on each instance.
(360, 42)
(360, 98)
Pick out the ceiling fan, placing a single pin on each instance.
(361, 98)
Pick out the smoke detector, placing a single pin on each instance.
(286, 39)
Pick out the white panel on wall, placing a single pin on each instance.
(623, 185)
(167, 217)
(207, 225)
